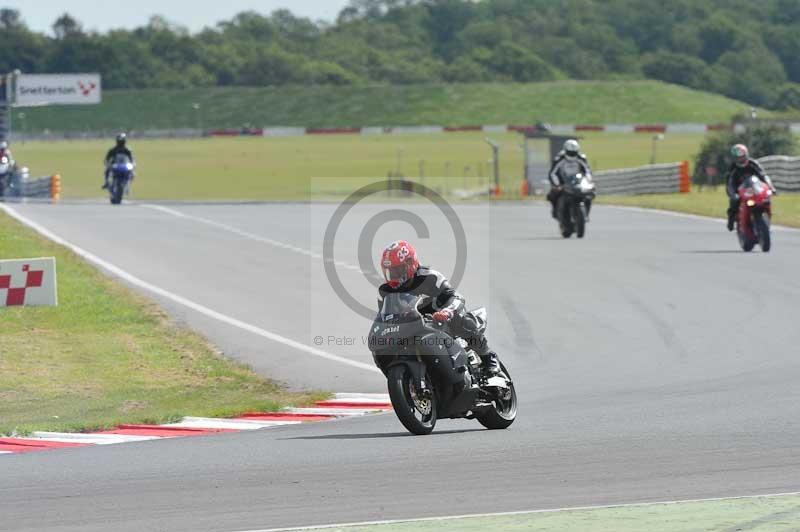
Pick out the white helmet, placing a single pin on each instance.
(3, 145)
(572, 148)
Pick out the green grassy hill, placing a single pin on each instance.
(561, 102)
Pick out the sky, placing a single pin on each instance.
(194, 14)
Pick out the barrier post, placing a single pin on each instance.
(55, 188)
(685, 180)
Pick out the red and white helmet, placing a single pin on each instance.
(399, 263)
(741, 155)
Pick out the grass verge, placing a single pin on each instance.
(786, 207)
(106, 356)
(296, 168)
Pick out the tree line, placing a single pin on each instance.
(745, 49)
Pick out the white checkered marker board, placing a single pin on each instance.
(28, 282)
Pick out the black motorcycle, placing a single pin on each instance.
(572, 211)
(432, 374)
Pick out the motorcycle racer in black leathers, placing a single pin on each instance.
(120, 148)
(742, 168)
(403, 273)
(569, 156)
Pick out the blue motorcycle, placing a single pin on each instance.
(121, 176)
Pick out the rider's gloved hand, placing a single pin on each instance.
(443, 316)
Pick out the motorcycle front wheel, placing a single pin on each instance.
(416, 413)
(565, 218)
(746, 243)
(580, 220)
(117, 190)
(761, 225)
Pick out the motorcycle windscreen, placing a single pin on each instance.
(753, 187)
(400, 306)
(121, 158)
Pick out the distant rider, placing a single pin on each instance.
(567, 159)
(742, 168)
(119, 149)
(403, 273)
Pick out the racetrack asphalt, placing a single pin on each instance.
(653, 362)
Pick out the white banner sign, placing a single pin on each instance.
(58, 89)
(28, 282)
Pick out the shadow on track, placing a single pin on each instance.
(381, 435)
(531, 238)
(713, 251)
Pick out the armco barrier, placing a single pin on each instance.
(651, 179)
(35, 188)
(784, 171)
(286, 131)
(333, 131)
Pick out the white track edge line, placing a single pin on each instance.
(245, 234)
(119, 272)
(526, 512)
(375, 396)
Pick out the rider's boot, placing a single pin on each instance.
(731, 219)
(476, 339)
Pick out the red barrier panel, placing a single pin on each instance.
(460, 129)
(520, 129)
(654, 128)
(224, 132)
(585, 127)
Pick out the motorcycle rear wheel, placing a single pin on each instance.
(417, 416)
(504, 412)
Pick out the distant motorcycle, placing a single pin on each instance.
(755, 214)
(6, 175)
(121, 176)
(433, 375)
(571, 208)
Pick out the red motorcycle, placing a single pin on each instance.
(755, 214)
